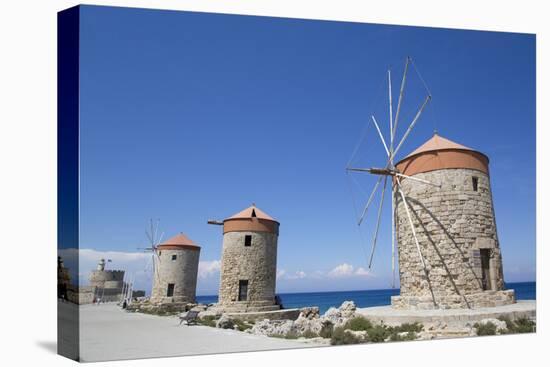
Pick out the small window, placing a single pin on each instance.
(475, 181)
(248, 240)
(170, 290)
(174, 257)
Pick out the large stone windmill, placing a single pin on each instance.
(442, 218)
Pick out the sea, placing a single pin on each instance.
(366, 298)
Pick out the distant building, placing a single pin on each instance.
(176, 270)
(456, 230)
(106, 285)
(249, 262)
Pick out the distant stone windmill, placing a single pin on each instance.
(442, 219)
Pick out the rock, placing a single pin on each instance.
(305, 323)
(309, 313)
(199, 307)
(273, 327)
(424, 335)
(362, 335)
(348, 309)
(206, 313)
(225, 322)
(339, 316)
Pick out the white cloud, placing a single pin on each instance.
(137, 265)
(209, 268)
(282, 274)
(346, 270)
(363, 272)
(340, 271)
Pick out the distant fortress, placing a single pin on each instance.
(106, 285)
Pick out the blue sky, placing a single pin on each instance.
(192, 116)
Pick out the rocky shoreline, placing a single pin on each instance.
(343, 325)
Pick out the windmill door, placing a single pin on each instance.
(243, 290)
(485, 274)
(170, 290)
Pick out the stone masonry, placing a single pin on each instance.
(456, 227)
(179, 267)
(256, 263)
(106, 284)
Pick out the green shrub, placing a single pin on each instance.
(358, 323)
(209, 320)
(326, 331)
(509, 324)
(406, 327)
(242, 325)
(341, 337)
(524, 325)
(485, 329)
(395, 337)
(308, 334)
(519, 326)
(289, 335)
(378, 334)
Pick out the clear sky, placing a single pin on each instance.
(192, 116)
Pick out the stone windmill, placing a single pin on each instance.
(442, 219)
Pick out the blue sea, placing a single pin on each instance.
(366, 298)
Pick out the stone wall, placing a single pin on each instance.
(453, 223)
(256, 263)
(182, 272)
(98, 277)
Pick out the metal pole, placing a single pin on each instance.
(391, 109)
(369, 201)
(401, 91)
(380, 134)
(411, 224)
(393, 234)
(417, 179)
(412, 124)
(378, 223)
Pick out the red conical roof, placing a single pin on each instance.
(179, 240)
(438, 143)
(251, 212)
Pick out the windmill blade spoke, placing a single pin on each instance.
(411, 126)
(375, 238)
(369, 201)
(407, 210)
(391, 110)
(418, 179)
(401, 92)
(160, 238)
(393, 234)
(380, 134)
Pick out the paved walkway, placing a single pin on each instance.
(108, 333)
(390, 316)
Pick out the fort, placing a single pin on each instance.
(106, 285)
